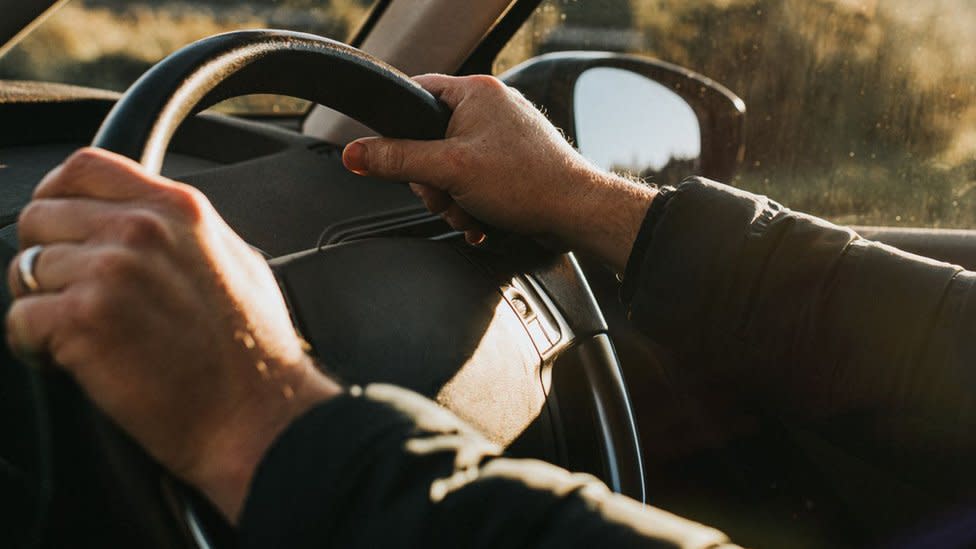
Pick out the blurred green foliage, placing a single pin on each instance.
(109, 43)
(610, 14)
(860, 110)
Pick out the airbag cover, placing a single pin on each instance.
(418, 314)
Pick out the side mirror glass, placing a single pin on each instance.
(636, 114)
(628, 123)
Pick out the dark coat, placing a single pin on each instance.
(787, 311)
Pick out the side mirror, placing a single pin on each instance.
(639, 115)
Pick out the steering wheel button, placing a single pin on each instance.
(551, 329)
(538, 336)
(520, 306)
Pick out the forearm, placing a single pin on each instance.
(226, 477)
(504, 165)
(392, 469)
(603, 220)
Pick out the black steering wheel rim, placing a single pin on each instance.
(202, 74)
(228, 65)
(142, 123)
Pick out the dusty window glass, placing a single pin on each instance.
(109, 43)
(862, 111)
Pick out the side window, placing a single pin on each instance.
(862, 111)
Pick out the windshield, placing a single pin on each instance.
(109, 43)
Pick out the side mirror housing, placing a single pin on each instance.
(638, 115)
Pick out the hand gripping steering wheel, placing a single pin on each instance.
(338, 76)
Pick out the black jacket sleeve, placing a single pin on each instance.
(805, 319)
(782, 309)
(388, 468)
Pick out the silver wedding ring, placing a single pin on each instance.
(25, 266)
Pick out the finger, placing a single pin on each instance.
(54, 268)
(454, 90)
(64, 219)
(459, 219)
(449, 89)
(435, 200)
(400, 160)
(97, 173)
(474, 237)
(31, 322)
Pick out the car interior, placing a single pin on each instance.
(529, 344)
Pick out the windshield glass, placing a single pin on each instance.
(109, 43)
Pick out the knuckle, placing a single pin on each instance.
(81, 161)
(59, 349)
(141, 228)
(189, 202)
(392, 158)
(113, 264)
(62, 179)
(32, 214)
(488, 84)
(62, 342)
(70, 352)
(87, 155)
(458, 159)
(88, 309)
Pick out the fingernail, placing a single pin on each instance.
(356, 157)
(475, 238)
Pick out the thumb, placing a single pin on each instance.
(399, 159)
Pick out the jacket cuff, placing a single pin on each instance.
(356, 469)
(632, 272)
(298, 490)
(691, 259)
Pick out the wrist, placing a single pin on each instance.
(234, 454)
(605, 216)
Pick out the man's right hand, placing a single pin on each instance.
(170, 322)
(502, 163)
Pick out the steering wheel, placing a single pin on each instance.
(547, 295)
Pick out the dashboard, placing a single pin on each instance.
(383, 290)
(279, 189)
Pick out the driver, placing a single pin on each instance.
(134, 285)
